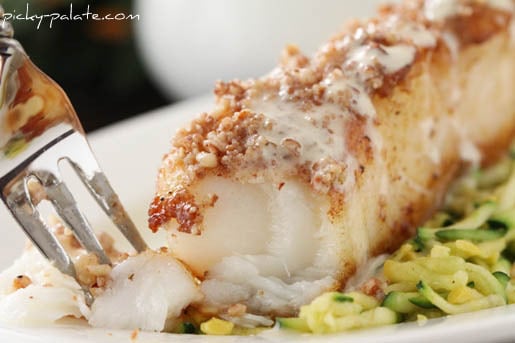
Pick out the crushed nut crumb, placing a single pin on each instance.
(89, 272)
(207, 159)
(21, 281)
(101, 281)
(99, 269)
(134, 335)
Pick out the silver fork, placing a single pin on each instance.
(39, 128)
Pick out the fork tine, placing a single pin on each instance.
(66, 207)
(29, 218)
(31, 222)
(102, 191)
(86, 166)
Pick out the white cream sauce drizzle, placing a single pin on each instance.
(360, 102)
(391, 58)
(468, 150)
(438, 10)
(410, 31)
(319, 131)
(452, 43)
(418, 35)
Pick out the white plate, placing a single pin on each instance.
(130, 154)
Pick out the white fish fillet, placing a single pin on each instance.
(298, 178)
(145, 292)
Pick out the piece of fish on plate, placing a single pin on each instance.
(298, 178)
(148, 291)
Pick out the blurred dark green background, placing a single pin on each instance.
(96, 62)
